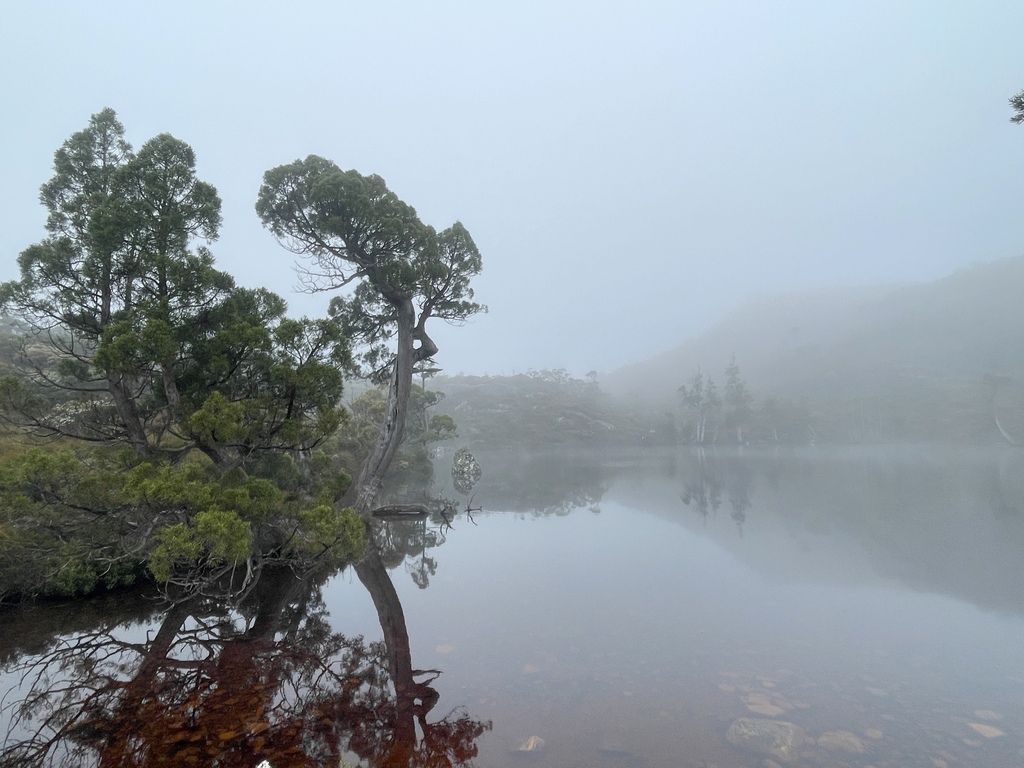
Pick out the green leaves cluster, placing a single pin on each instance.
(204, 403)
(133, 324)
(71, 522)
(354, 229)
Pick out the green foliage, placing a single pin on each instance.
(1017, 102)
(339, 531)
(224, 534)
(60, 535)
(127, 308)
(442, 427)
(16, 396)
(217, 421)
(356, 229)
(205, 408)
(71, 522)
(365, 415)
(174, 545)
(212, 538)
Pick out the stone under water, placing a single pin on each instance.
(466, 471)
(988, 731)
(841, 741)
(774, 738)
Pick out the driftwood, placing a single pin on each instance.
(401, 512)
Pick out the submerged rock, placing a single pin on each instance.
(988, 731)
(465, 471)
(841, 741)
(987, 714)
(761, 704)
(773, 738)
(532, 744)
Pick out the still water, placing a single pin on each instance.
(824, 607)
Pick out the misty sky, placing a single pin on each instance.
(630, 171)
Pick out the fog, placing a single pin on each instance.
(630, 171)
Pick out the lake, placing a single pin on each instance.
(731, 608)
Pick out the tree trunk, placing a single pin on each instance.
(171, 388)
(129, 415)
(412, 699)
(361, 494)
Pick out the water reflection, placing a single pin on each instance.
(708, 475)
(937, 520)
(409, 542)
(206, 685)
(816, 589)
(547, 483)
(393, 740)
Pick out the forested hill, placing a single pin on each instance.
(931, 362)
(850, 342)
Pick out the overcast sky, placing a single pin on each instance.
(630, 171)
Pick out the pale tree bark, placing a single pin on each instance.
(364, 489)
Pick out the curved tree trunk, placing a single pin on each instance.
(363, 491)
(128, 412)
(412, 699)
(364, 488)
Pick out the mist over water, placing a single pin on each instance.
(871, 592)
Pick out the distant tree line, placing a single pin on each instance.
(731, 415)
(555, 409)
(552, 408)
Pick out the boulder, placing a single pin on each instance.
(841, 741)
(776, 739)
(465, 471)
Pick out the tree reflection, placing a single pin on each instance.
(739, 479)
(268, 681)
(448, 742)
(703, 490)
(544, 484)
(709, 476)
(408, 541)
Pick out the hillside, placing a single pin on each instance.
(763, 334)
(910, 352)
(540, 408)
(847, 339)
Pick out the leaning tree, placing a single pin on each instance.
(353, 231)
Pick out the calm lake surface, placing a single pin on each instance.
(615, 610)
